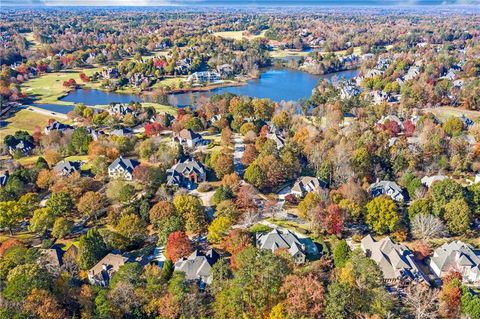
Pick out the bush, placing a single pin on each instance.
(259, 228)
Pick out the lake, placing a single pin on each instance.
(275, 84)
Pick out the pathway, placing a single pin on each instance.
(239, 148)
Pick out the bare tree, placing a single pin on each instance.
(426, 226)
(422, 301)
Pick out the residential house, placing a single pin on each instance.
(396, 261)
(186, 174)
(187, 138)
(57, 126)
(282, 239)
(110, 73)
(198, 266)
(204, 76)
(51, 259)
(429, 180)
(4, 178)
(457, 256)
(387, 188)
(102, 272)
(124, 131)
(307, 184)
(122, 168)
(225, 70)
(278, 138)
(66, 168)
(348, 90)
(22, 146)
(119, 109)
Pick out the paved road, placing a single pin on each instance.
(239, 148)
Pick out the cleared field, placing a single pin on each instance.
(286, 53)
(33, 44)
(445, 112)
(25, 120)
(170, 82)
(238, 35)
(49, 88)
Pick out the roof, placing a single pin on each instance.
(52, 257)
(198, 265)
(107, 265)
(394, 260)
(277, 239)
(127, 164)
(66, 167)
(4, 178)
(308, 184)
(188, 134)
(185, 168)
(457, 254)
(429, 180)
(387, 188)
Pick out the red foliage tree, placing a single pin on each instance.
(249, 154)
(409, 128)
(305, 296)
(450, 295)
(84, 77)
(9, 243)
(245, 198)
(178, 246)
(152, 129)
(392, 128)
(329, 218)
(236, 241)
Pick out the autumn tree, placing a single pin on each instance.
(43, 305)
(192, 211)
(381, 215)
(304, 296)
(458, 216)
(425, 226)
(450, 295)
(308, 204)
(91, 248)
(91, 203)
(178, 246)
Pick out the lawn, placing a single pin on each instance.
(445, 112)
(24, 120)
(278, 54)
(238, 35)
(32, 43)
(170, 82)
(49, 88)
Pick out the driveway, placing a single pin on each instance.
(239, 148)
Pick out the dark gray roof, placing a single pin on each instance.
(198, 265)
(127, 164)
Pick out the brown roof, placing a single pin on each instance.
(112, 261)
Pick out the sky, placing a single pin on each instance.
(224, 3)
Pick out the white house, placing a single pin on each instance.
(188, 138)
(387, 188)
(122, 168)
(307, 184)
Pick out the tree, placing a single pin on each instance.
(161, 211)
(255, 175)
(80, 140)
(61, 227)
(42, 220)
(178, 245)
(43, 305)
(236, 241)
(458, 216)
(304, 296)
(249, 154)
(263, 109)
(10, 214)
(470, 304)
(132, 228)
(91, 248)
(443, 192)
(330, 219)
(218, 229)
(227, 208)
(306, 206)
(381, 215)
(192, 211)
(222, 163)
(45, 178)
(60, 203)
(52, 156)
(450, 295)
(453, 126)
(222, 193)
(419, 206)
(426, 226)
(422, 301)
(91, 203)
(341, 254)
(23, 279)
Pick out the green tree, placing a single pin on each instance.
(80, 140)
(443, 192)
(60, 203)
(194, 124)
(132, 228)
(42, 220)
(23, 279)
(453, 126)
(91, 248)
(192, 211)
(61, 227)
(419, 206)
(222, 193)
(218, 229)
(458, 216)
(11, 213)
(255, 175)
(381, 215)
(470, 303)
(341, 254)
(310, 201)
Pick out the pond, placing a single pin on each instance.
(275, 84)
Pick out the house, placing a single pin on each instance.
(348, 90)
(66, 168)
(198, 266)
(95, 134)
(186, 174)
(204, 76)
(22, 146)
(187, 137)
(119, 109)
(457, 256)
(102, 272)
(307, 184)
(282, 239)
(157, 257)
(4, 178)
(387, 188)
(110, 73)
(225, 70)
(122, 132)
(396, 261)
(122, 168)
(57, 126)
(429, 180)
(277, 138)
(51, 259)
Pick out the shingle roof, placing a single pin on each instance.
(198, 265)
(279, 239)
(127, 164)
(308, 184)
(457, 254)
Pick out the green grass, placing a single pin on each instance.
(22, 236)
(238, 35)
(278, 54)
(170, 82)
(25, 120)
(48, 88)
(32, 43)
(444, 112)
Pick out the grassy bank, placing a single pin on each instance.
(24, 120)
